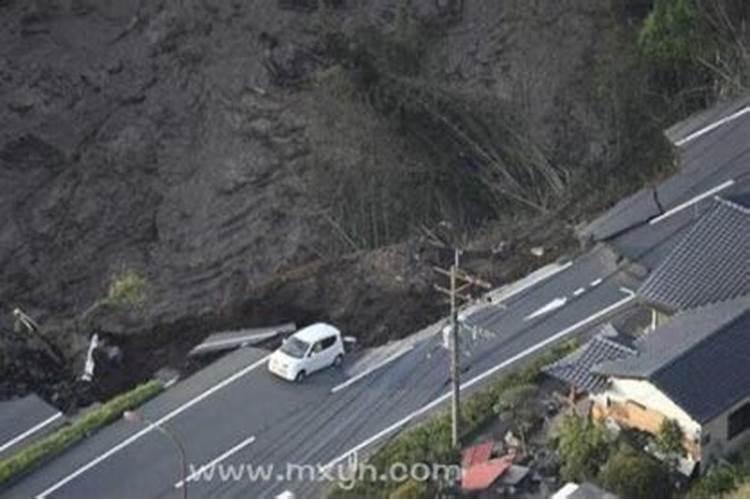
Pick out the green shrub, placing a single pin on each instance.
(584, 446)
(49, 446)
(516, 405)
(724, 480)
(716, 483)
(633, 474)
(412, 489)
(127, 289)
(670, 438)
(670, 32)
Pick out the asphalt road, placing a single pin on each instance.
(237, 413)
(23, 420)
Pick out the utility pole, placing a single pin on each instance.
(455, 292)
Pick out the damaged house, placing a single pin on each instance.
(693, 365)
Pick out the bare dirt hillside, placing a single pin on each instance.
(285, 160)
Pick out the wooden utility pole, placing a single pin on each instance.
(455, 292)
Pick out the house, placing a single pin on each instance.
(710, 264)
(694, 370)
(693, 365)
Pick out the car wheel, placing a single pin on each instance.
(300, 376)
(338, 360)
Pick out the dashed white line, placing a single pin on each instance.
(44, 423)
(215, 461)
(713, 126)
(578, 291)
(692, 201)
(549, 307)
(436, 402)
(169, 416)
(596, 282)
(525, 285)
(372, 369)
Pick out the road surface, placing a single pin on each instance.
(236, 413)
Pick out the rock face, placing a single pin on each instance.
(185, 141)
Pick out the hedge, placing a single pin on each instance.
(430, 441)
(34, 454)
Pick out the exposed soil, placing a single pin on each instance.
(190, 142)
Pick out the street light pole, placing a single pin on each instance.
(135, 417)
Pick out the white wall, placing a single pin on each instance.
(648, 395)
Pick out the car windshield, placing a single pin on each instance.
(294, 347)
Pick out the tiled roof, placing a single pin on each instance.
(700, 359)
(476, 454)
(711, 264)
(575, 368)
(481, 476)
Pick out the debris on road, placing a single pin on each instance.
(240, 338)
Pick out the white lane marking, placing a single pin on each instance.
(377, 366)
(172, 381)
(549, 307)
(215, 461)
(429, 406)
(713, 126)
(29, 432)
(537, 279)
(683, 206)
(578, 291)
(596, 282)
(169, 416)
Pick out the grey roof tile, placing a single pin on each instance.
(710, 264)
(575, 368)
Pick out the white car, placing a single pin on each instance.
(310, 349)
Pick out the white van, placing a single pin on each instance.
(310, 349)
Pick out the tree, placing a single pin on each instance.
(632, 474)
(670, 441)
(699, 46)
(516, 405)
(670, 31)
(583, 446)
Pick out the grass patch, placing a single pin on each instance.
(430, 441)
(52, 445)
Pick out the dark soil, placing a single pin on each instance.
(200, 145)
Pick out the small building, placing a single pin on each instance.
(694, 370)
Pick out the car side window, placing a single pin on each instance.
(328, 342)
(317, 347)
